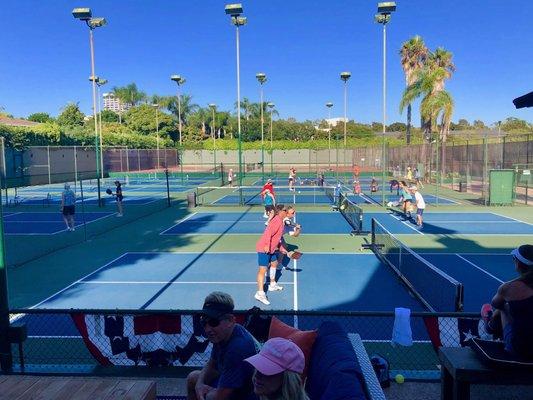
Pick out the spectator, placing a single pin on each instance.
(226, 375)
(510, 314)
(277, 371)
(230, 177)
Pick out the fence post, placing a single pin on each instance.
(168, 186)
(6, 358)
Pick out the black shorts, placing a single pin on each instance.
(120, 198)
(68, 210)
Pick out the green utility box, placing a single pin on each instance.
(502, 184)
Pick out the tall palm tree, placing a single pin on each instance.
(187, 106)
(246, 107)
(128, 95)
(413, 55)
(436, 102)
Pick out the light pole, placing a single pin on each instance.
(235, 11)
(156, 107)
(213, 107)
(179, 81)
(271, 106)
(100, 82)
(262, 78)
(383, 17)
(85, 14)
(344, 77)
(329, 104)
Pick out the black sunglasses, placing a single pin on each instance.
(212, 322)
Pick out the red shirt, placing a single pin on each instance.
(271, 236)
(270, 187)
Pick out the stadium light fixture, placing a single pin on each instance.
(329, 104)
(179, 81)
(262, 78)
(344, 77)
(383, 17)
(213, 108)
(85, 14)
(235, 10)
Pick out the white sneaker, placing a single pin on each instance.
(273, 287)
(261, 296)
(119, 215)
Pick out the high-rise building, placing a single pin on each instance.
(113, 103)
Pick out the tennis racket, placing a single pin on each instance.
(296, 255)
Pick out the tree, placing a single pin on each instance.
(413, 56)
(186, 105)
(109, 116)
(436, 102)
(71, 116)
(478, 124)
(40, 117)
(376, 126)
(515, 125)
(141, 120)
(129, 94)
(397, 127)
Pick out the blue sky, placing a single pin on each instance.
(301, 45)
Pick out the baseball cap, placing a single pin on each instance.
(413, 188)
(278, 355)
(524, 254)
(216, 310)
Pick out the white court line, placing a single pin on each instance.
(80, 226)
(479, 268)
(179, 222)
(406, 224)
(467, 254)
(429, 220)
(514, 219)
(167, 282)
(78, 281)
(54, 337)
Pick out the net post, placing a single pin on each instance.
(168, 186)
(100, 202)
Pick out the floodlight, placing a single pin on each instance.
(155, 105)
(212, 105)
(93, 78)
(382, 18)
(101, 81)
(345, 76)
(270, 105)
(83, 14)
(261, 77)
(178, 79)
(234, 9)
(238, 21)
(329, 104)
(386, 7)
(96, 22)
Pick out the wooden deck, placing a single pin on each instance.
(19, 387)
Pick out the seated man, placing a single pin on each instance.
(226, 375)
(511, 314)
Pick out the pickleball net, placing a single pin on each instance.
(435, 289)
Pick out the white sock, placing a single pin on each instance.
(273, 276)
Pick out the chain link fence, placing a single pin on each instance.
(83, 341)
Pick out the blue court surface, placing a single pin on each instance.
(318, 281)
(44, 223)
(333, 223)
(55, 199)
(428, 198)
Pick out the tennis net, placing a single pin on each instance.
(352, 213)
(251, 195)
(436, 290)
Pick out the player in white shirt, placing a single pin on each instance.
(420, 205)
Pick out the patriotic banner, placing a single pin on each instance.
(453, 332)
(149, 340)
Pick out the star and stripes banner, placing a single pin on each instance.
(452, 332)
(144, 340)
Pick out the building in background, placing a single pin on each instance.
(113, 103)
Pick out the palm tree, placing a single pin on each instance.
(128, 95)
(246, 107)
(413, 55)
(187, 106)
(436, 102)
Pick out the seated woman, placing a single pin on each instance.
(278, 367)
(373, 185)
(510, 314)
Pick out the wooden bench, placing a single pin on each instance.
(461, 367)
(18, 387)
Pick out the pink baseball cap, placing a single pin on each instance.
(278, 355)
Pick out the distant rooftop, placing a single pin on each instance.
(16, 122)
